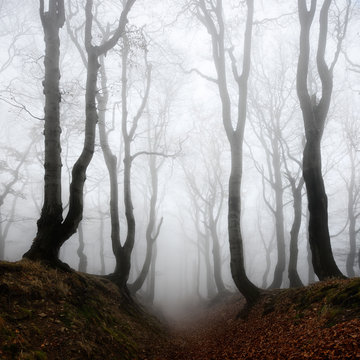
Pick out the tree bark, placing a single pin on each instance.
(314, 116)
(352, 194)
(237, 266)
(52, 232)
(213, 21)
(46, 245)
(216, 247)
(123, 253)
(311, 273)
(293, 274)
(279, 216)
(80, 251)
(111, 165)
(151, 237)
(102, 255)
(151, 288)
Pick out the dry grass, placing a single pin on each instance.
(50, 314)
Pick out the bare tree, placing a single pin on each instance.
(53, 231)
(271, 114)
(155, 136)
(352, 139)
(210, 14)
(296, 184)
(207, 202)
(314, 115)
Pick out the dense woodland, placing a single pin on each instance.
(183, 150)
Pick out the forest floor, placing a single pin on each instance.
(321, 321)
(48, 314)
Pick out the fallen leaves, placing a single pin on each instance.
(284, 333)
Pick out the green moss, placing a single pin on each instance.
(67, 316)
(122, 339)
(40, 355)
(337, 300)
(35, 355)
(88, 312)
(25, 313)
(348, 297)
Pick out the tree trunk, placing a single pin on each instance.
(111, 165)
(2, 240)
(80, 251)
(123, 253)
(46, 244)
(198, 268)
(102, 255)
(150, 236)
(267, 268)
(237, 266)
(350, 260)
(151, 288)
(214, 22)
(294, 278)
(311, 273)
(210, 286)
(216, 255)
(51, 235)
(319, 238)
(52, 232)
(279, 217)
(314, 116)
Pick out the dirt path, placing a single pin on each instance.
(275, 331)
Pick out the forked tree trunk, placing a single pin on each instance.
(212, 18)
(52, 232)
(152, 233)
(111, 165)
(236, 138)
(314, 116)
(123, 253)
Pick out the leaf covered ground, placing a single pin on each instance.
(321, 321)
(49, 314)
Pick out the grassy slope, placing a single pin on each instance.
(48, 314)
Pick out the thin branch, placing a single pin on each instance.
(197, 71)
(20, 106)
(156, 153)
(158, 230)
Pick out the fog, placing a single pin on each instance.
(181, 130)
